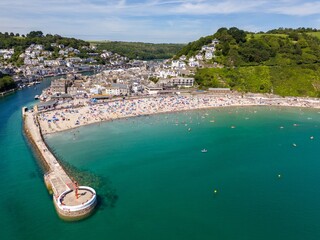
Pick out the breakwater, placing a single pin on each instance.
(5, 93)
(71, 201)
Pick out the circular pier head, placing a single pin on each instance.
(76, 205)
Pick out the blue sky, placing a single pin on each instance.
(170, 21)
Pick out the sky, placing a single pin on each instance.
(156, 21)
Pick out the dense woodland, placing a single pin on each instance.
(139, 50)
(281, 46)
(283, 61)
(6, 83)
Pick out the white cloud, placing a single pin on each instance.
(151, 8)
(299, 9)
(124, 8)
(147, 20)
(218, 7)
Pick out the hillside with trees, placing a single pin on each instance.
(139, 50)
(283, 61)
(37, 37)
(6, 83)
(20, 42)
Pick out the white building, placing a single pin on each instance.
(181, 82)
(215, 42)
(152, 90)
(208, 48)
(178, 64)
(193, 62)
(208, 55)
(6, 53)
(96, 90)
(136, 87)
(117, 89)
(168, 73)
(199, 56)
(106, 54)
(74, 60)
(38, 47)
(28, 61)
(183, 58)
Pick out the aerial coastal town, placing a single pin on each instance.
(150, 119)
(119, 88)
(126, 88)
(39, 63)
(114, 94)
(36, 62)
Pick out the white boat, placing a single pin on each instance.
(36, 97)
(204, 150)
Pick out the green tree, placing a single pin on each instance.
(35, 34)
(6, 83)
(238, 35)
(225, 48)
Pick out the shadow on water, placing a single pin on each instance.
(106, 193)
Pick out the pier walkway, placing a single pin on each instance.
(71, 201)
(56, 177)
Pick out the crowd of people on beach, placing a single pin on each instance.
(69, 117)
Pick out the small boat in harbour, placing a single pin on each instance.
(36, 97)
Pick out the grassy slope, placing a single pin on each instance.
(280, 75)
(259, 35)
(283, 80)
(315, 34)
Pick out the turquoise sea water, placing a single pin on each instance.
(158, 183)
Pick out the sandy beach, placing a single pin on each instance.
(67, 116)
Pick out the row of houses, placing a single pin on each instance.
(79, 87)
(206, 53)
(6, 53)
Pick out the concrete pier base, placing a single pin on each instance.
(70, 207)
